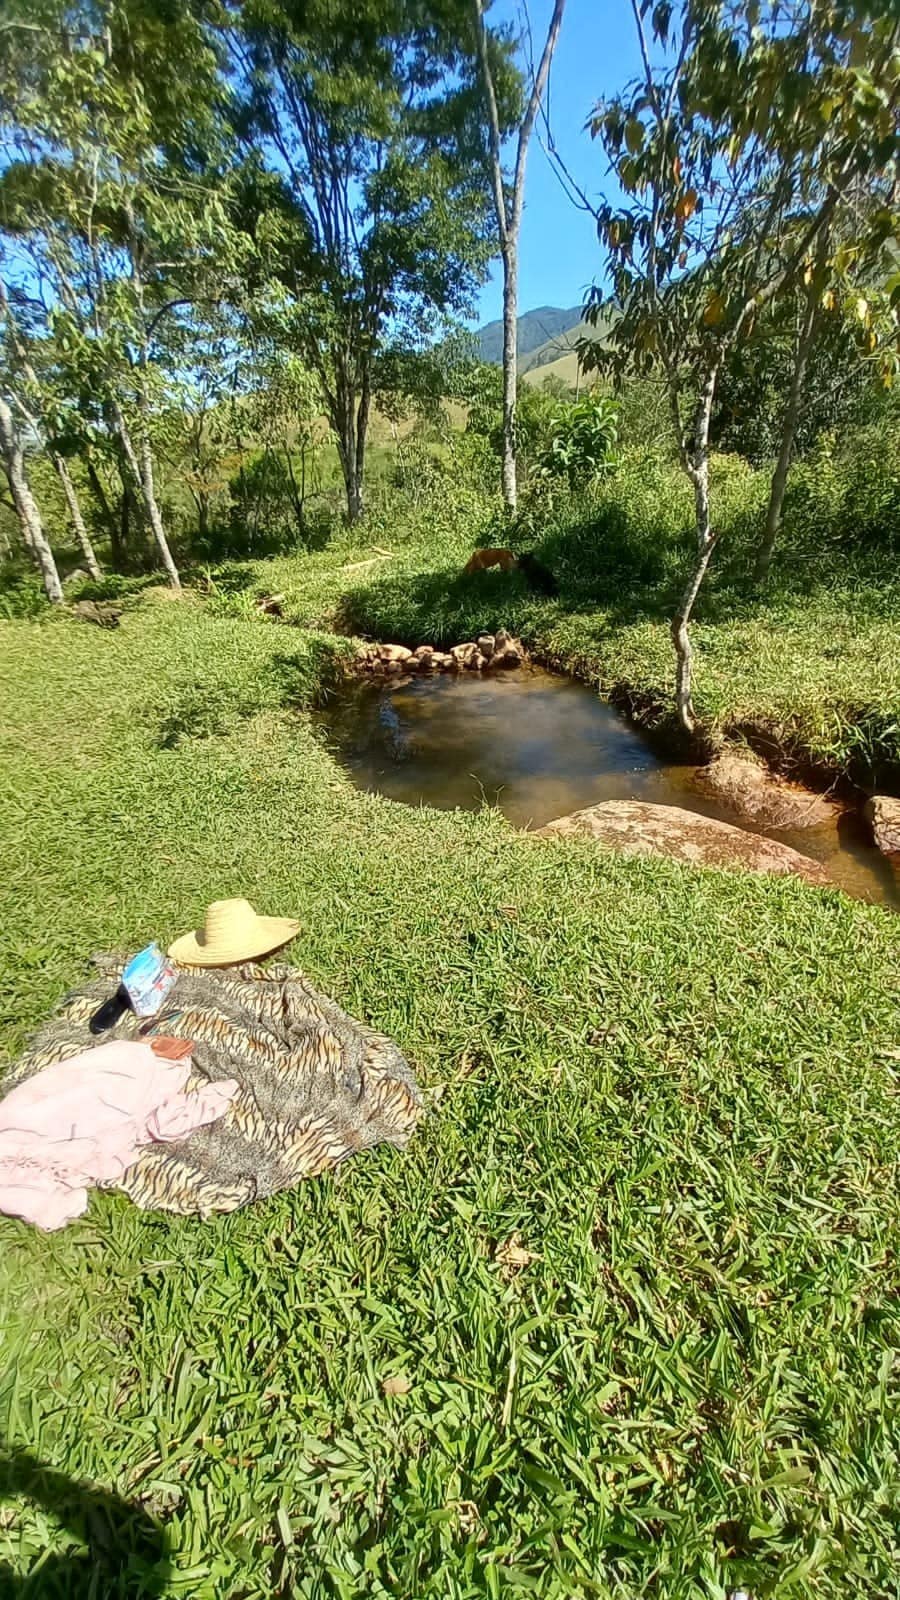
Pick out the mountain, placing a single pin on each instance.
(562, 344)
(535, 328)
(557, 358)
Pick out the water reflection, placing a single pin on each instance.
(538, 746)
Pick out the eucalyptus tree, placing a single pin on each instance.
(737, 153)
(509, 197)
(111, 201)
(365, 183)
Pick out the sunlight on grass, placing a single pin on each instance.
(675, 1087)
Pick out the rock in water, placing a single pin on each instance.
(884, 814)
(637, 828)
(507, 653)
(393, 654)
(466, 656)
(486, 644)
(755, 794)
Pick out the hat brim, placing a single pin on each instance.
(269, 933)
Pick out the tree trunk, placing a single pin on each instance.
(110, 523)
(684, 653)
(78, 523)
(696, 464)
(296, 497)
(124, 527)
(26, 507)
(510, 370)
(788, 434)
(508, 211)
(362, 434)
(344, 422)
(142, 472)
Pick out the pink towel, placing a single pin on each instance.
(84, 1121)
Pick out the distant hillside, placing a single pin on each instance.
(557, 358)
(552, 349)
(535, 329)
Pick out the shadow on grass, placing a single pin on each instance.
(599, 563)
(127, 1551)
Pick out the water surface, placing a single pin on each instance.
(538, 745)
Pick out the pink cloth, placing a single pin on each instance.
(84, 1121)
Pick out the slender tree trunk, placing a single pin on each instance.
(106, 513)
(141, 468)
(696, 463)
(788, 434)
(681, 638)
(510, 371)
(78, 522)
(345, 428)
(508, 209)
(32, 527)
(362, 434)
(124, 527)
(296, 498)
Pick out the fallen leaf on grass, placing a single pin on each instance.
(512, 1255)
(469, 1518)
(398, 1384)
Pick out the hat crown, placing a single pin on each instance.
(227, 918)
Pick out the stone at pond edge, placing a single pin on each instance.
(490, 652)
(757, 795)
(467, 656)
(637, 828)
(509, 655)
(883, 811)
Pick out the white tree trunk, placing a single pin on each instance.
(142, 472)
(78, 522)
(681, 638)
(696, 464)
(509, 220)
(510, 370)
(26, 507)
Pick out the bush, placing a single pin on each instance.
(582, 441)
(846, 491)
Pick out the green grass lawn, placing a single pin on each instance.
(677, 1090)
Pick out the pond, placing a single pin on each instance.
(538, 745)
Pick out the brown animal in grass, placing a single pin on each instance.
(537, 575)
(504, 559)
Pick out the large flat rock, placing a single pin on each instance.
(640, 829)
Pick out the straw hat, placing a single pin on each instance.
(232, 932)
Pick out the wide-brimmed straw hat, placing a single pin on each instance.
(232, 932)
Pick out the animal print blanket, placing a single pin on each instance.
(315, 1086)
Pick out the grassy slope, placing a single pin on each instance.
(676, 1087)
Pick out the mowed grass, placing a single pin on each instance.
(675, 1091)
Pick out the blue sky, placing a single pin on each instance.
(596, 55)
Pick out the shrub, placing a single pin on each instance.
(582, 441)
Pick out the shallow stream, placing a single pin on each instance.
(538, 746)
